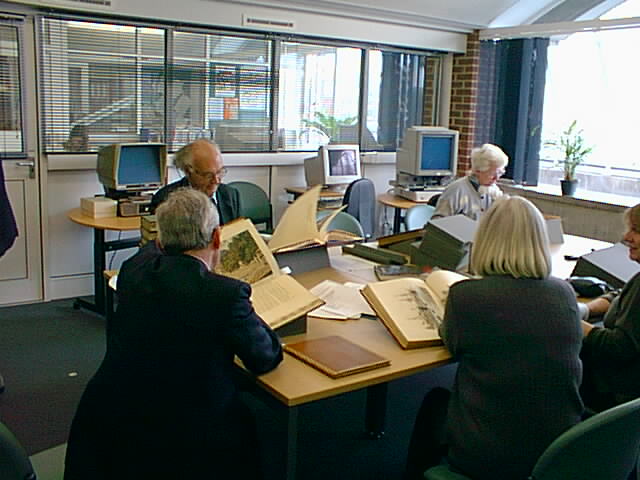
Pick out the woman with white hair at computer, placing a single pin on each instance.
(473, 194)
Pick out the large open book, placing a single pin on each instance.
(278, 298)
(412, 308)
(299, 229)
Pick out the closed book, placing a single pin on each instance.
(336, 356)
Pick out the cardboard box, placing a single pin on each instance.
(99, 207)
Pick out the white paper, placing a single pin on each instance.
(342, 301)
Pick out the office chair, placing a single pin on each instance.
(603, 446)
(417, 216)
(254, 204)
(14, 461)
(360, 198)
(433, 201)
(342, 221)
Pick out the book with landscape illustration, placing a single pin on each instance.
(412, 308)
(298, 227)
(278, 298)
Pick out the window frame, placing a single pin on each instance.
(276, 40)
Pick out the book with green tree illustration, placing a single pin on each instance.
(277, 297)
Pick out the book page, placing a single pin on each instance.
(438, 283)
(281, 299)
(407, 308)
(323, 223)
(298, 223)
(342, 301)
(243, 253)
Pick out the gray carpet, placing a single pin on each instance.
(49, 351)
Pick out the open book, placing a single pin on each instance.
(299, 229)
(412, 308)
(278, 298)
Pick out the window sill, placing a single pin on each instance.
(585, 198)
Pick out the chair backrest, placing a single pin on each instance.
(417, 216)
(254, 203)
(14, 461)
(603, 446)
(360, 198)
(342, 221)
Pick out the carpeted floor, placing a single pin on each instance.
(49, 351)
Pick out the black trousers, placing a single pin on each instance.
(427, 447)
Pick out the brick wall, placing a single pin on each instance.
(464, 93)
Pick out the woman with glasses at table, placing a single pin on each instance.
(611, 353)
(473, 194)
(515, 333)
(204, 170)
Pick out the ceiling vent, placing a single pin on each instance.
(261, 22)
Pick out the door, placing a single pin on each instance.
(21, 274)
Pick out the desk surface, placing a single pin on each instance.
(391, 200)
(105, 223)
(324, 193)
(295, 383)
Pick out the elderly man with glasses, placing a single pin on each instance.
(201, 162)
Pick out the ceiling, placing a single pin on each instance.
(455, 15)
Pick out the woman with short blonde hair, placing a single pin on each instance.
(515, 333)
(523, 253)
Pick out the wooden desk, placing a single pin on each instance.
(100, 249)
(328, 198)
(294, 383)
(398, 204)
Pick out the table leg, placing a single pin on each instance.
(291, 445)
(99, 263)
(397, 219)
(376, 410)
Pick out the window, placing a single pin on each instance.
(319, 94)
(102, 83)
(110, 82)
(11, 126)
(394, 102)
(592, 79)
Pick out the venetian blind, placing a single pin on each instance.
(102, 83)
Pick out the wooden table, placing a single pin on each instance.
(100, 249)
(328, 198)
(398, 204)
(294, 383)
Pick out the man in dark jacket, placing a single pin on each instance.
(204, 170)
(163, 403)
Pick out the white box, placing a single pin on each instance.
(99, 207)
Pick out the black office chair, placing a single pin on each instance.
(14, 461)
(255, 204)
(360, 198)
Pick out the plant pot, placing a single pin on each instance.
(568, 187)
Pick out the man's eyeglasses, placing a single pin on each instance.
(209, 176)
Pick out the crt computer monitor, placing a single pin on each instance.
(333, 166)
(130, 168)
(428, 152)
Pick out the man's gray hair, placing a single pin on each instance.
(511, 239)
(186, 221)
(183, 158)
(487, 156)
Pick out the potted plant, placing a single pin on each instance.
(574, 151)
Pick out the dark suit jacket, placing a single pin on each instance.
(228, 199)
(163, 402)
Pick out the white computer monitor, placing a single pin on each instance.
(334, 166)
(129, 168)
(428, 152)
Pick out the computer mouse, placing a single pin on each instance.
(589, 286)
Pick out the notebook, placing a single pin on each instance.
(336, 356)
